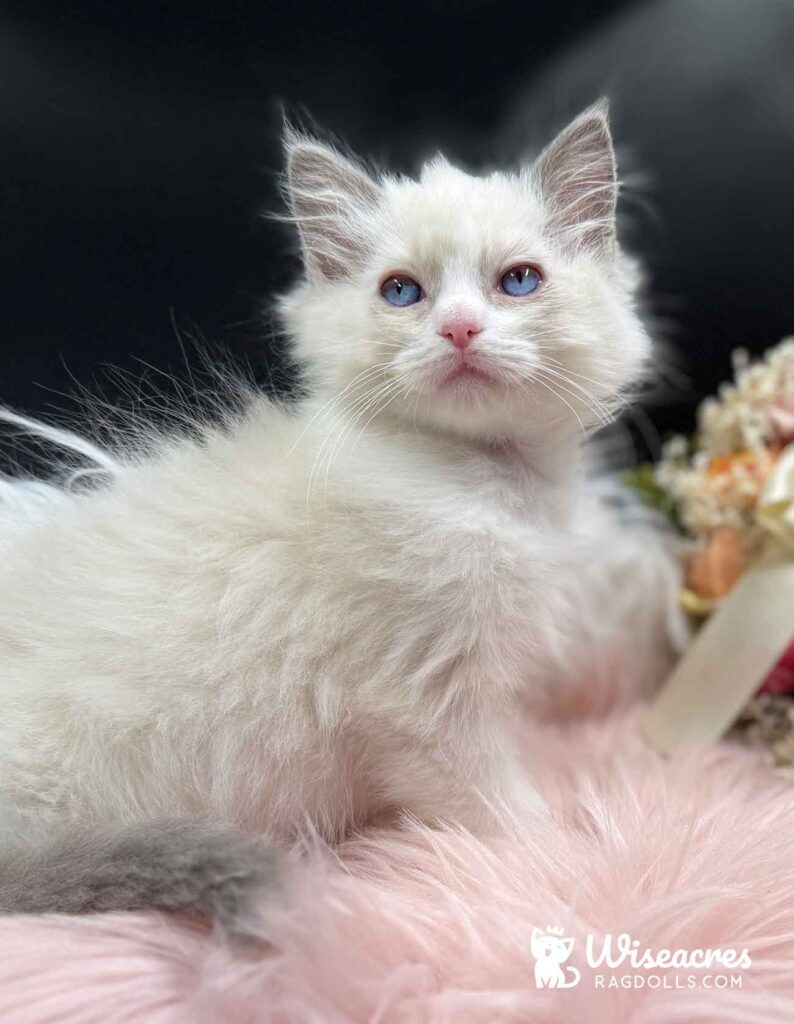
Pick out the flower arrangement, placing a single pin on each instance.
(729, 490)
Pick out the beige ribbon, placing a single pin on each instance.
(742, 641)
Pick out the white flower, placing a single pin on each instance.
(720, 484)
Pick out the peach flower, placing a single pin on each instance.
(717, 564)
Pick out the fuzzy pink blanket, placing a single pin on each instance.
(435, 926)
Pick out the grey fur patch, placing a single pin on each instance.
(196, 867)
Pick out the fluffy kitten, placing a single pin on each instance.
(323, 613)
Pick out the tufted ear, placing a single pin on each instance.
(577, 176)
(329, 198)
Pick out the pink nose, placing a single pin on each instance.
(460, 329)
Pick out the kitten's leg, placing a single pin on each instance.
(480, 789)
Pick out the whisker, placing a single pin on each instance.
(597, 407)
(358, 381)
(554, 392)
(387, 389)
(403, 389)
(333, 442)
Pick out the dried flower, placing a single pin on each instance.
(739, 440)
(715, 486)
(717, 564)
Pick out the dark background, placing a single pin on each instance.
(140, 146)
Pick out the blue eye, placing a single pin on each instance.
(401, 291)
(520, 281)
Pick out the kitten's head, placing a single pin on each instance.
(550, 946)
(489, 306)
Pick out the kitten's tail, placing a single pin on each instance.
(573, 976)
(194, 867)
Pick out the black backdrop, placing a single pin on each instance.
(139, 148)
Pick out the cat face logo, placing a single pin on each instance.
(551, 949)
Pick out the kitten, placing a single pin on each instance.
(324, 613)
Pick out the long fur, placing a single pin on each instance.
(435, 925)
(326, 613)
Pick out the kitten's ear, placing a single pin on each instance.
(536, 934)
(577, 176)
(567, 945)
(329, 198)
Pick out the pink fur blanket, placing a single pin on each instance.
(435, 926)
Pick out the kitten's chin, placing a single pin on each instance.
(481, 407)
(466, 380)
(469, 406)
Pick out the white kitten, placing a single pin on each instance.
(324, 613)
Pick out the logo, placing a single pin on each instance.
(622, 961)
(551, 949)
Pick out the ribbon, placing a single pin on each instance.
(742, 641)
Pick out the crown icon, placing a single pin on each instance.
(553, 931)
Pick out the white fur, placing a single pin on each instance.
(325, 612)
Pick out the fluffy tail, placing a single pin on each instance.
(195, 867)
